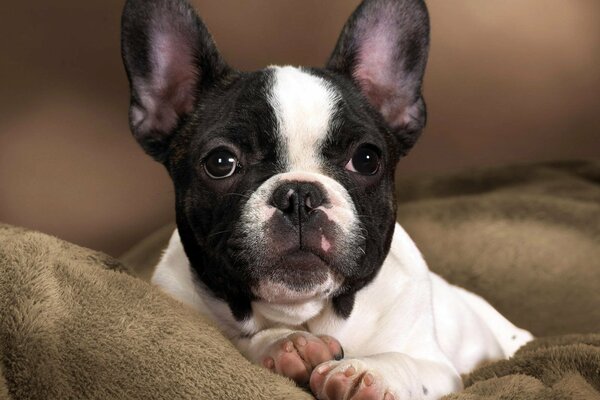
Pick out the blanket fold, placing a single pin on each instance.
(75, 325)
(562, 367)
(525, 237)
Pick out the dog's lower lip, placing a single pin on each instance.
(303, 258)
(297, 276)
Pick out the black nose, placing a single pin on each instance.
(297, 199)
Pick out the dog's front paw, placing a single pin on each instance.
(348, 379)
(296, 355)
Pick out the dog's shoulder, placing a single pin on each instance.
(173, 274)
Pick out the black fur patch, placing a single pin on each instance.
(236, 116)
(232, 111)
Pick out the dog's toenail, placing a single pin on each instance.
(338, 357)
(301, 341)
(368, 379)
(323, 369)
(388, 396)
(269, 363)
(350, 371)
(288, 346)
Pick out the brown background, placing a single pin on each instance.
(508, 81)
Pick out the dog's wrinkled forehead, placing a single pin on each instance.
(304, 106)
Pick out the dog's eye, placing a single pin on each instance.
(220, 164)
(365, 161)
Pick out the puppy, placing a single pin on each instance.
(284, 185)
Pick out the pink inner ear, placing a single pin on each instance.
(168, 92)
(379, 73)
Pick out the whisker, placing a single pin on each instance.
(238, 194)
(218, 233)
(353, 189)
(365, 216)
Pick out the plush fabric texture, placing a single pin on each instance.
(562, 367)
(75, 324)
(525, 237)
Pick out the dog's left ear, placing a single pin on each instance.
(383, 48)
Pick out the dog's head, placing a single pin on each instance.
(284, 178)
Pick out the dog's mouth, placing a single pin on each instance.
(298, 276)
(297, 238)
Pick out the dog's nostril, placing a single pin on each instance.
(308, 203)
(285, 199)
(290, 204)
(313, 197)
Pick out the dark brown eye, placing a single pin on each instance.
(220, 164)
(365, 161)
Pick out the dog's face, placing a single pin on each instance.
(283, 177)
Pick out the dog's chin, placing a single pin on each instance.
(297, 277)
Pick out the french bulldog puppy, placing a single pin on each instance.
(284, 185)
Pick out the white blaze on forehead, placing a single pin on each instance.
(304, 105)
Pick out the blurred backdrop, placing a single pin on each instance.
(508, 81)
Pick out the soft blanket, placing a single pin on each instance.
(525, 237)
(76, 324)
(562, 367)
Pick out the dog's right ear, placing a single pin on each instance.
(383, 49)
(170, 58)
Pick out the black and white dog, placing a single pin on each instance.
(284, 182)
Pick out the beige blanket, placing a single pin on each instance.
(74, 325)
